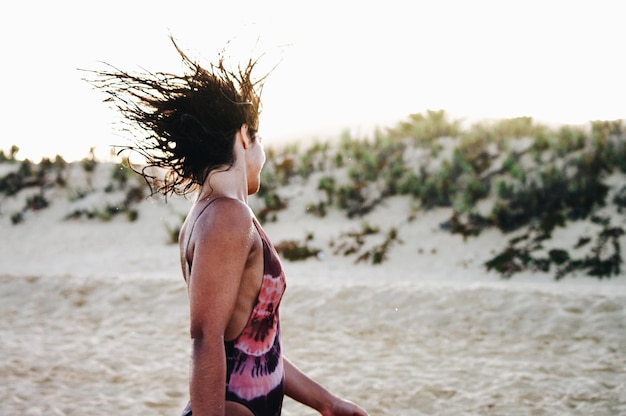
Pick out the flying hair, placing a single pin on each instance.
(183, 126)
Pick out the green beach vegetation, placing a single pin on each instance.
(515, 175)
(49, 176)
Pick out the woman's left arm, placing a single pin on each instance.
(303, 389)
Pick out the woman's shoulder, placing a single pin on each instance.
(216, 226)
(231, 207)
(228, 214)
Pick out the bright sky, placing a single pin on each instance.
(349, 64)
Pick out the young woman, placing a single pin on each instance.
(202, 128)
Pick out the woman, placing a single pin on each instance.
(202, 128)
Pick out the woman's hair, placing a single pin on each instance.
(185, 124)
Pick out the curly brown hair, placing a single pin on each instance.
(185, 124)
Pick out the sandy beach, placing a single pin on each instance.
(95, 319)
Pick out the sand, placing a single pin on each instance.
(94, 320)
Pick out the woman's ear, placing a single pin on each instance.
(243, 136)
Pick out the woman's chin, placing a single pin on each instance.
(253, 189)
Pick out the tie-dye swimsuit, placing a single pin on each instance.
(254, 363)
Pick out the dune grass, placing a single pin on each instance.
(516, 175)
(531, 177)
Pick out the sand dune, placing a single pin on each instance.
(95, 321)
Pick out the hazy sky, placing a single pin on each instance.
(343, 64)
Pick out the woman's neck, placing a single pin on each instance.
(230, 183)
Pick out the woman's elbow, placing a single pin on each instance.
(202, 336)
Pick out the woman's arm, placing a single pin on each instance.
(220, 251)
(303, 389)
(207, 376)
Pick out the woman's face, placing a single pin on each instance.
(255, 159)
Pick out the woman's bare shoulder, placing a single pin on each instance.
(232, 210)
(226, 215)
